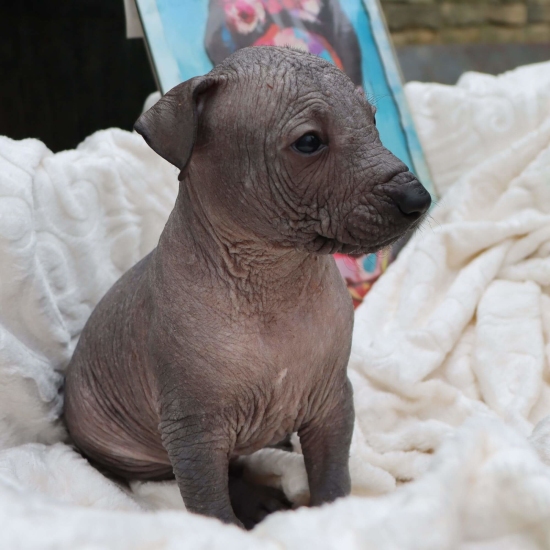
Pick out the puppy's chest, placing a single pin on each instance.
(306, 339)
(290, 365)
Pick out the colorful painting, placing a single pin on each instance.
(317, 26)
(187, 38)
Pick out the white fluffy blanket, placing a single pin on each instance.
(450, 360)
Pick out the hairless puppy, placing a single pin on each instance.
(236, 330)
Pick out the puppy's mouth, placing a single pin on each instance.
(322, 244)
(327, 245)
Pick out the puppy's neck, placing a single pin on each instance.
(251, 269)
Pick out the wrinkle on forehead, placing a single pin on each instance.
(274, 62)
(282, 84)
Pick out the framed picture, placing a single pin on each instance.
(186, 38)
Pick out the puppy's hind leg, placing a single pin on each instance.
(251, 501)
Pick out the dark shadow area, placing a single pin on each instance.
(444, 63)
(68, 70)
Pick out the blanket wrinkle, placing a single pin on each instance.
(450, 360)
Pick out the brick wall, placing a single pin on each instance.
(467, 21)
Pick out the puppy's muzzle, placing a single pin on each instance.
(412, 198)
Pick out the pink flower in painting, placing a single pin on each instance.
(244, 15)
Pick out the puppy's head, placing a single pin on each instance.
(281, 144)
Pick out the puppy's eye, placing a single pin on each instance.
(307, 144)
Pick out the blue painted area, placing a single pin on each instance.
(376, 84)
(184, 26)
(166, 65)
(226, 37)
(394, 80)
(369, 263)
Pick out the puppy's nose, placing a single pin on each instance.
(411, 198)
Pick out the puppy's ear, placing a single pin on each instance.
(170, 126)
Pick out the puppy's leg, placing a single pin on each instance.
(325, 444)
(200, 459)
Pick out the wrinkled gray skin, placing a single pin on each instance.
(236, 330)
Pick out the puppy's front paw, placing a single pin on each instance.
(252, 502)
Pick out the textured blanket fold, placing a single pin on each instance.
(450, 361)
